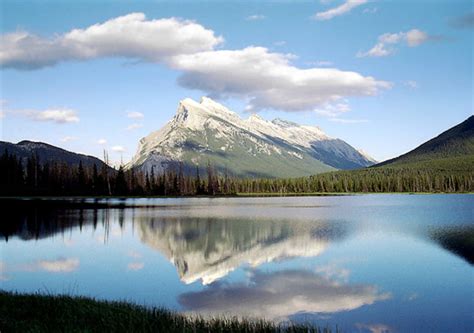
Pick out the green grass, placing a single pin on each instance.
(48, 313)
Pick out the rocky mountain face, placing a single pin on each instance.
(208, 131)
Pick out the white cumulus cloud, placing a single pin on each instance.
(346, 7)
(102, 141)
(130, 36)
(269, 81)
(264, 79)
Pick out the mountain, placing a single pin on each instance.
(208, 131)
(47, 153)
(208, 249)
(451, 150)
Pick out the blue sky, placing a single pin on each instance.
(382, 75)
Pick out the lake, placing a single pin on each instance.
(368, 263)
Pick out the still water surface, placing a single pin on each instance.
(370, 263)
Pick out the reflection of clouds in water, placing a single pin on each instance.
(333, 272)
(134, 254)
(411, 297)
(374, 328)
(59, 265)
(279, 295)
(135, 266)
(3, 271)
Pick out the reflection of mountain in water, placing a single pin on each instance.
(208, 249)
(203, 248)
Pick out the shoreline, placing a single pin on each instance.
(238, 195)
(24, 312)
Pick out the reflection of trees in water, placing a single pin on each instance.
(459, 241)
(31, 219)
(201, 248)
(209, 248)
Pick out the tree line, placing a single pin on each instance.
(31, 177)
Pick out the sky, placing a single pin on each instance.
(385, 76)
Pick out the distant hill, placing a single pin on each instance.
(451, 150)
(47, 153)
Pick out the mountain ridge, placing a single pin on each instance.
(454, 144)
(208, 131)
(48, 153)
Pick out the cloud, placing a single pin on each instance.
(55, 115)
(339, 10)
(416, 37)
(135, 115)
(129, 36)
(256, 17)
(268, 80)
(412, 38)
(463, 22)
(61, 265)
(134, 126)
(412, 84)
(279, 295)
(118, 149)
(102, 141)
(332, 271)
(135, 266)
(372, 10)
(333, 110)
(279, 43)
(323, 63)
(69, 138)
(59, 116)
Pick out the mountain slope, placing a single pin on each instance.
(208, 131)
(452, 149)
(47, 153)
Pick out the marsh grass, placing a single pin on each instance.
(63, 313)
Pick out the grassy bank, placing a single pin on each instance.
(45, 313)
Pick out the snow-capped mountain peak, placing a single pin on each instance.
(208, 131)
